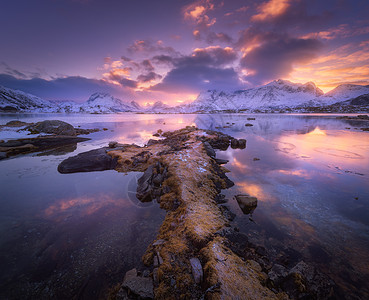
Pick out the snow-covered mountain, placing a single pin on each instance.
(15, 100)
(279, 95)
(105, 103)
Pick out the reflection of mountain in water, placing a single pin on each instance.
(266, 124)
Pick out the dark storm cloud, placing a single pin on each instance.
(275, 57)
(163, 59)
(205, 68)
(69, 88)
(147, 65)
(143, 78)
(121, 79)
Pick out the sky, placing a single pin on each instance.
(171, 50)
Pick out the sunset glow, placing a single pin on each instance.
(173, 50)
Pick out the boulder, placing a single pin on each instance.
(94, 160)
(197, 271)
(238, 144)
(209, 149)
(247, 203)
(249, 124)
(141, 287)
(52, 127)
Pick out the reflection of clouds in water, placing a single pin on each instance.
(83, 206)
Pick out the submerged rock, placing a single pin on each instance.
(247, 203)
(94, 160)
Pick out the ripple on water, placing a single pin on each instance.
(339, 153)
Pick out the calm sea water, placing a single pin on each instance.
(75, 235)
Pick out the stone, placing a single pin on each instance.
(256, 159)
(238, 144)
(197, 271)
(149, 184)
(220, 199)
(113, 144)
(52, 127)
(249, 124)
(209, 149)
(227, 213)
(250, 119)
(16, 123)
(94, 160)
(246, 203)
(152, 142)
(277, 273)
(140, 286)
(220, 161)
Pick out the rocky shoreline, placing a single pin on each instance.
(52, 134)
(198, 253)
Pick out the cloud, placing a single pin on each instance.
(151, 76)
(271, 9)
(276, 56)
(147, 65)
(149, 46)
(204, 68)
(74, 88)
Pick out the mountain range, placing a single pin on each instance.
(276, 96)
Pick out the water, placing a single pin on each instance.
(75, 235)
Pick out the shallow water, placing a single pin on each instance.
(75, 235)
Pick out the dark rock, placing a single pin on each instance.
(149, 184)
(249, 124)
(52, 127)
(113, 144)
(277, 274)
(247, 203)
(197, 271)
(250, 119)
(220, 199)
(209, 149)
(85, 131)
(16, 123)
(256, 159)
(142, 287)
(220, 161)
(152, 142)
(365, 129)
(156, 134)
(227, 213)
(94, 160)
(238, 144)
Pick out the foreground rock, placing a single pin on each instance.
(246, 203)
(188, 259)
(94, 160)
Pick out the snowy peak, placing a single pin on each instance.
(105, 103)
(15, 100)
(348, 91)
(290, 87)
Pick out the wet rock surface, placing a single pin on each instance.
(246, 203)
(52, 127)
(94, 160)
